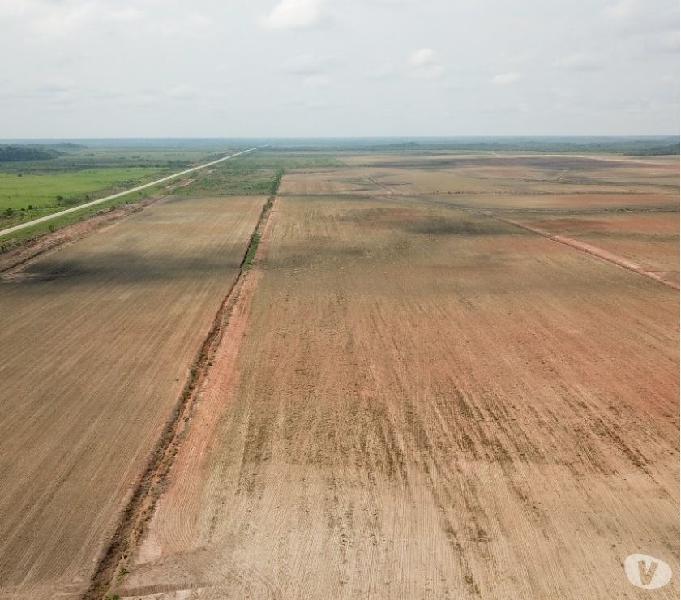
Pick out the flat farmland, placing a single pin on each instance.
(95, 348)
(513, 175)
(649, 240)
(417, 398)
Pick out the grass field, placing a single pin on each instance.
(43, 192)
(78, 173)
(416, 391)
(29, 190)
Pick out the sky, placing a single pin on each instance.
(316, 68)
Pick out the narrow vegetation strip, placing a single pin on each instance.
(140, 507)
(138, 188)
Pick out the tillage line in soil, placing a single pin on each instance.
(593, 251)
(140, 507)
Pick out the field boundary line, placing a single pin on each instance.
(20, 226)
(591, 250)
(584, 247)
(20, 257)
(141, 505)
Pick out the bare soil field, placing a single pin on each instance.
(516, 182)
(96, 343)
(569, 203)
(649, 239)
(416, 399)
(507, 180)
(329, 182)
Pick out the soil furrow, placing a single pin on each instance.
(140, 507)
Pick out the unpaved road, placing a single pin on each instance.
(415, 401)
(20, 226)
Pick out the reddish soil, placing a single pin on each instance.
(645, 242)
(418, 401)
(437, 381)
(602, 254)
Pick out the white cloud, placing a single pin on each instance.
(313, 71)
(14, 8)
(154, 57)
(505, 78)
(382, 72)
(624, 9)
(294, 14)
(425, 63)
(308, 64)
(183, 92)
(643, 16)
(422, 57)
(65, 18)
(317, 81)
(578, 62)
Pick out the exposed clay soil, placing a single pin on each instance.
(416, 399)
(647, 241)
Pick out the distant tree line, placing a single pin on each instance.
(627, 145)
(657, 151)
(12, 153)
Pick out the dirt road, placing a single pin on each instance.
(9, 230)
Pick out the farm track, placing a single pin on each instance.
(593, 251)
(590, 249)
(139, 510)
(599, 253)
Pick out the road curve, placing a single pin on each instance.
(9, 230)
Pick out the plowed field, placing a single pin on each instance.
(95, 347)
(415, 398)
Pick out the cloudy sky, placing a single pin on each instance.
(212, 68)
